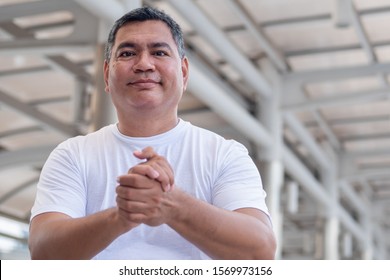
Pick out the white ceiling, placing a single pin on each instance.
(327, 62)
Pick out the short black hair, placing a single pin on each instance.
(144, 14)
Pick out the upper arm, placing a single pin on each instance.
(258, 214)
(264, 229)
(40, 229)
(43, 218)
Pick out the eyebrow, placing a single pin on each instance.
(151, 45)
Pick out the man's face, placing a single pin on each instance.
(145, 72)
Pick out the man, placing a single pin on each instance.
(151, 186)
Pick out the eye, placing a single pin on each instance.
(160, 53)
(126, 54)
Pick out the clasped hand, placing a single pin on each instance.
(144, 193)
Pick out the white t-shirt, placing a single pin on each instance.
(79, 178)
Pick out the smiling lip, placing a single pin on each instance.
(144, 83)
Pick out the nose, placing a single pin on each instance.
(143, 63)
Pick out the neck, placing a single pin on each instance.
(140, 127)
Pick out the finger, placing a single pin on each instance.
(130, 217)
(147, 215)
(165, 170)
(146, 153)
(144, 169)
(130, 205)
(132, 194)
(137, 181)
(156, 168)
(164, 177)
(153, 172)
(160, 164)
(136, 218)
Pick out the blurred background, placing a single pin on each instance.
(303, 84)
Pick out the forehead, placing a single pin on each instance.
(145, 31)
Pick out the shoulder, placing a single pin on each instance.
(89, 138)
(202, 133)
(76, 146)
(215, 141)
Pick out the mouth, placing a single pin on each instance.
(144, 83)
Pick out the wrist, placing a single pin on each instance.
(119, 223)
(181, 202)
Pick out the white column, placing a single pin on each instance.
(103, 112)
(272, 170)
(272, 177)
(367, 225)
(332, 222)
(292, 189)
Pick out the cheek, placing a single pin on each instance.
(175, 76)
(115, 76)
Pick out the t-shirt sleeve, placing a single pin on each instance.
(238, 184)
(60, 187)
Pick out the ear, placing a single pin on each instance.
(185, 72)
(106, 70)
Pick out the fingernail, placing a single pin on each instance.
(155, 174)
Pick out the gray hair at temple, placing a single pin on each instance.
(144, 14)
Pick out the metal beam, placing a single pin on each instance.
(206, 28)
(364, 137)
(14, 30)
(17, 71)
(357, 202)
(25, 9)
(107, 11)
(83, 28)
(25, 156)
(336, 100)
(216, 37)
(332, 138)
(201, 85)
(276, 57)
(361, 32)
(303, 77)
(308, 141)
(46, 47)
(69, 67)
(19, 239)
(17, 131)
(18, 189)
(360, 174)
(300, 173)
(24, 220)
(42, 118)
(352, 155)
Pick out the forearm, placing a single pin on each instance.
(57, 236)
(223, 234)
